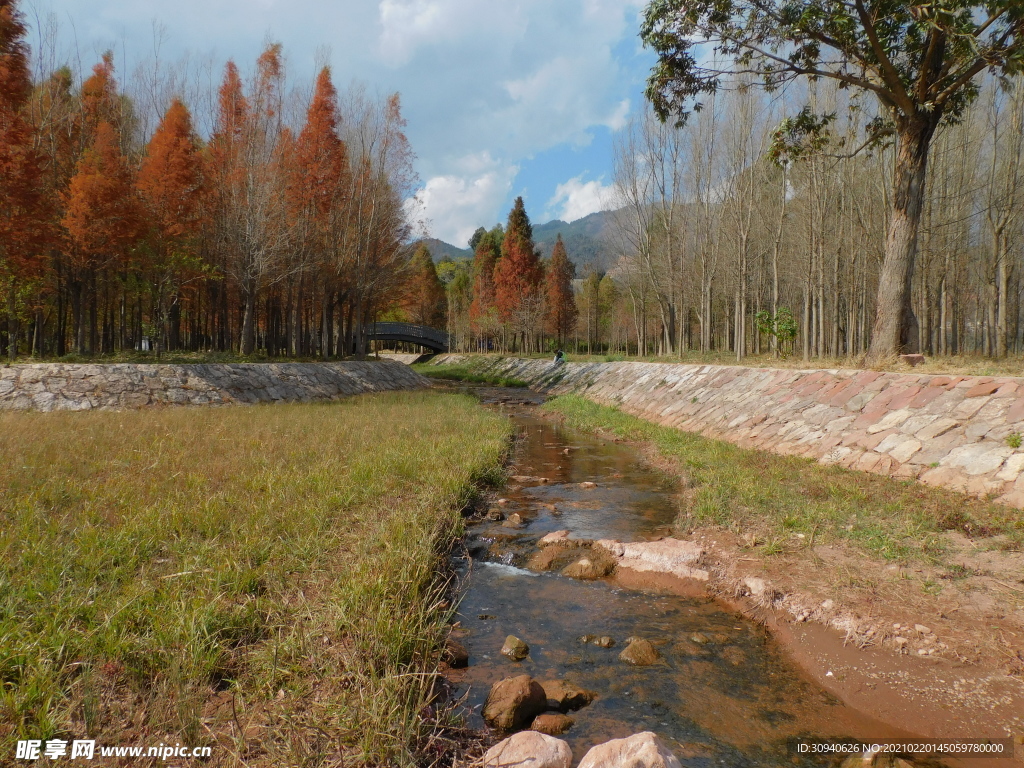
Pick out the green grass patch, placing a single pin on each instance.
(466, 373)
(779, 497)
(285, 557)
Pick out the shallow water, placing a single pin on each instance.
(730, 697)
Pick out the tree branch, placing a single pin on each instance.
(888, 71)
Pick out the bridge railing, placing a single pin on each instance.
(431, 337)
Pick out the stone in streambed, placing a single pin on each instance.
(553, 724)
(640, 653)
(529, 749)
(672, 556)
(515, 520)
(564, 696)
(604, 642)
(514, 702)
(515, 649)
(555, 537)
(641, 750)
(456, 655)
(588, 568)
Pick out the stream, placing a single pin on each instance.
(724, 692)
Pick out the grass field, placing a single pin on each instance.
(262, 579)
(776, 497)
(455, 372)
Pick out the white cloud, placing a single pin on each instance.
(578, 198)
(452, 206)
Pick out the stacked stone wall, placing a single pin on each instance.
(75, 387)
(959, 432)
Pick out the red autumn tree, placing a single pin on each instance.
(319, 165)
(171, 179)
(99, 98)
(482, 310)
(101, 218)
(170, 183)
(517, 277)
(318, 182)
(426, 302)
(559, 304)
(23, 209)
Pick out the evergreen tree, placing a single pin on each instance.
(560, 305)
(24, 212)
(426, 302)
(518, 275)
(482, 311)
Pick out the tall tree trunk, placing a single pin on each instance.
(248, 343)
(12, 322)
(895, 328)
(1002, 294)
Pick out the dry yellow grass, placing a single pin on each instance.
(262, 580)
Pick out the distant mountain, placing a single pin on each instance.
(589, 240)
(439, 249)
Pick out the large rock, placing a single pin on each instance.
(588, 568)
(639, 653)
(529, 749)
(641, 750)
(565, 696)
(515, 649)
(513, 702)
(671, 556)
(553, 724)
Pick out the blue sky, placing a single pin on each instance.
(509, 98)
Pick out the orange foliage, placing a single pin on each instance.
(99, 96)
(319, 168)
(23, 209)
(102, 217)
(484, 260)
(560, 304)
(170, 179)
(518, 273)
(425, 302)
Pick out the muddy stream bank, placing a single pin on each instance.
(722, 691)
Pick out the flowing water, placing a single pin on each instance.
(723, 693)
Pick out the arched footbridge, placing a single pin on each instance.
(424, 335)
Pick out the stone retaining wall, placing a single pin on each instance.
(61, 386)
(957, 432)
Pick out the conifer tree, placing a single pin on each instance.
(101, 219)
(426, 302)
(517, 276)
(560, 304)
(481, 310)
(23, 209)
(171, 186)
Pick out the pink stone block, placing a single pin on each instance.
(866, 377)
(980, 390)
(1016, 412)
(926, 395)
(871, 441)
(904, 398)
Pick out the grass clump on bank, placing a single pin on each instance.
(778, 497)
(466, 373)
(261, 579)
